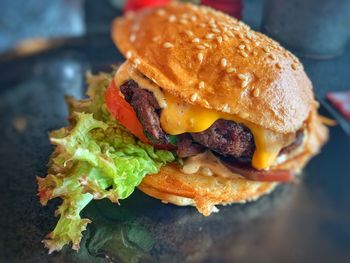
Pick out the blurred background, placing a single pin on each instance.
(313, 28)
(46, 47)
(313, 19)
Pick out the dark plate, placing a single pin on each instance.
(309, 221)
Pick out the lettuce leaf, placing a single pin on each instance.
(95, 158)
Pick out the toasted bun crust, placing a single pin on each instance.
(244, 72)
(171, 185)
(204, 192)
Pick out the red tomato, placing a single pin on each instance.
(123, 112)
(133, 5)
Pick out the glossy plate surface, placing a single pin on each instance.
(304, 222)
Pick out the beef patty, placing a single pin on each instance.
(147, 110)
(227, 138)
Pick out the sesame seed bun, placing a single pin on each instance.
(214, 61)
(205, 192)
(210, 59)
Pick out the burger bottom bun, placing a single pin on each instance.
(204, 192)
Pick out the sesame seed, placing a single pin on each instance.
(132, 38)
(246, 41)
(128, 54)
(194, 18)
(194, 97)
(161, 12)
(202, 25)
(278, 65)
(226, 108)
(294, 67)
(256, 92)
(240, 35)
(225, 37)
(242, 76)
(189, 33)
(230, 33)
(244, 83)
(223, 62)
(244, 115)
(196, 40)
(201, 47)
(172, 18)
(244, 54)
(183, 21)
(215, 30)
(209, 36)
(168, 45)
(241, 46)
(257, 43)
(206, 103)
(212, 21)
(235, 28)
(219, 39)
(185, 15)
(137, 61)
(201, 85)
(272, 56)
(266, 49)
(243, 25)
(155, 39)
(249, 48)
(255, 53)
(206, 45)
(200, 57)
(194, 7)
(229, 70)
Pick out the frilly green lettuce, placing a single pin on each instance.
(95, 158)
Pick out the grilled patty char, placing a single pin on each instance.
(226, 138)
(186, 147)
(147, 110)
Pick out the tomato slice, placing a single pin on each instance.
(123, 112)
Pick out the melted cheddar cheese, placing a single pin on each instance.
(180, 117)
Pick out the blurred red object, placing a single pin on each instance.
(133, 5)
(231, 7)
(341, 101)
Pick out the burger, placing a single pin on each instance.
(203, 112)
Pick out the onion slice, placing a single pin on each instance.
(282, 176)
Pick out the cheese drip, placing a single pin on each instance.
(181, 117)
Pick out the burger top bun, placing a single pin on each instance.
(215, 61)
